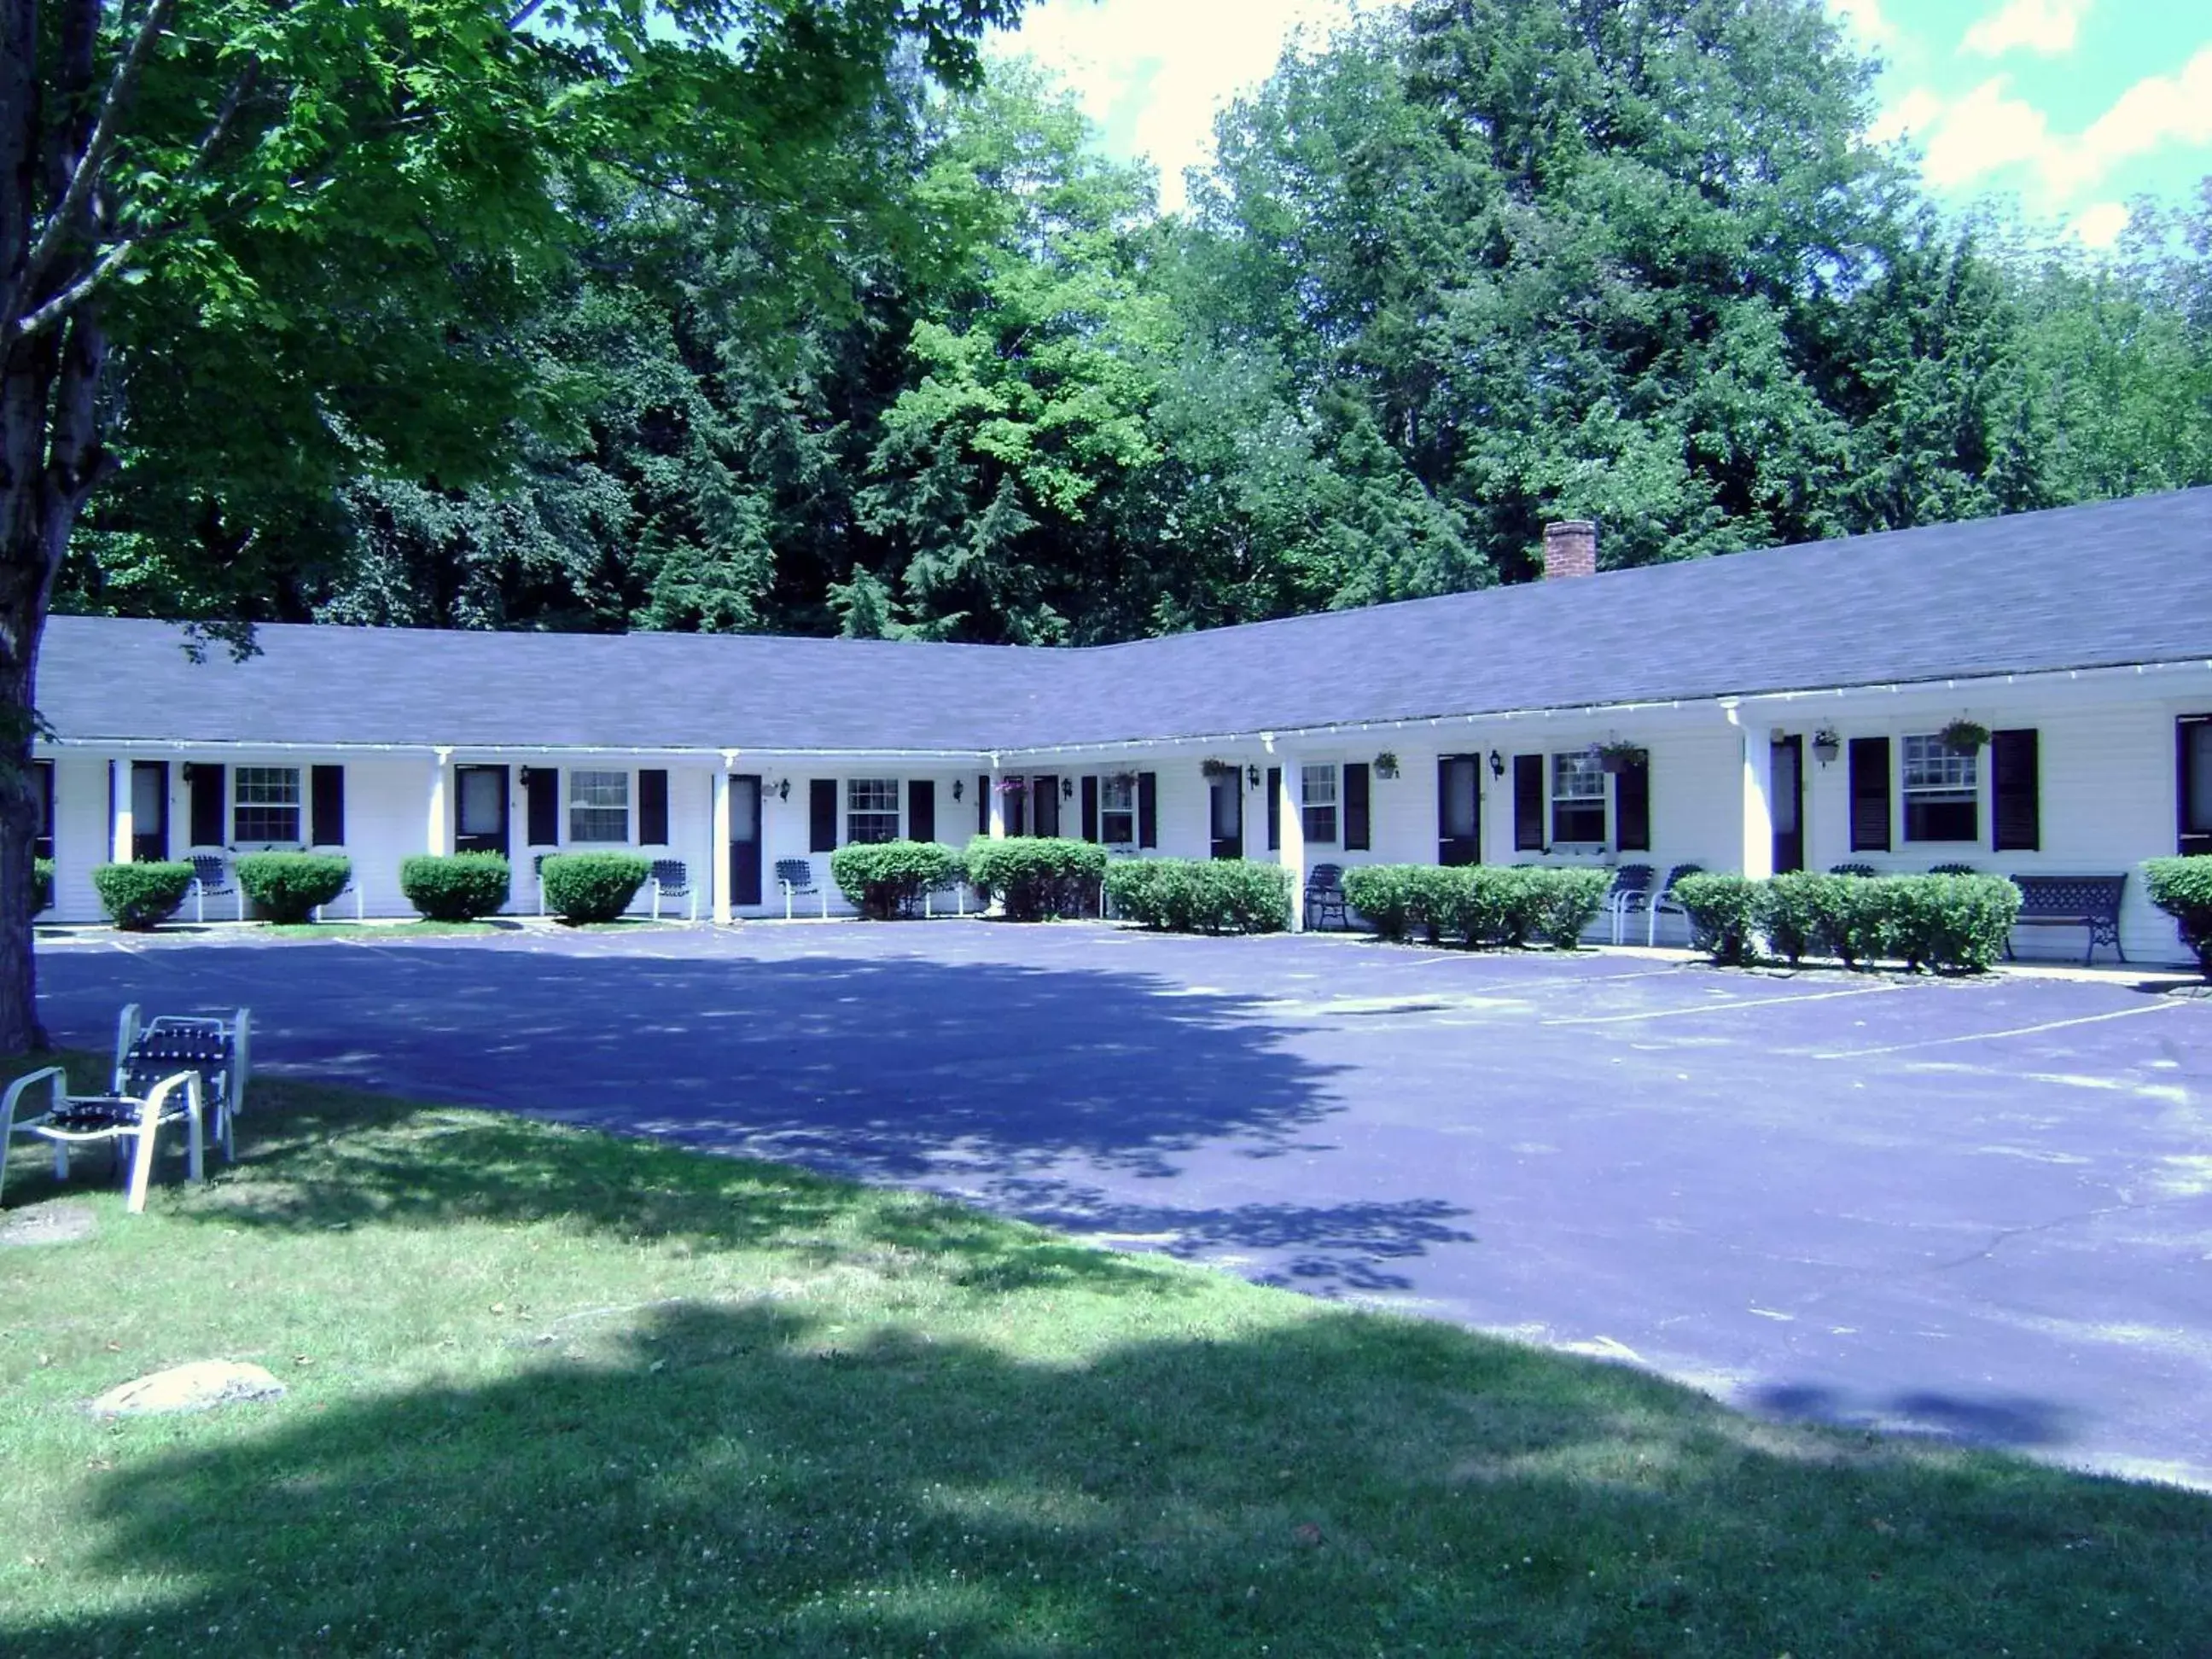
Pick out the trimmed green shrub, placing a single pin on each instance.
(886, 879)
(1952, 924)
(2183, 888)
(1035, 877)
(1562, 903)
(456, 887)
(42, 885)
(1202, 896)
(140, 897)
(1803, 914)
(1390, 897)
(1724, 913)
(288, 886)
(582, 887)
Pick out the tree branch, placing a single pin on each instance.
(58, 306)
(120, 87)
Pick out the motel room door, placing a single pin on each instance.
(480, 818)
(1228, 815)
(1786, 779)
(1459, 808)
(745, 840)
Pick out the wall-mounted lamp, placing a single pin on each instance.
(1497, 764)
(1252, 775)
(1067, 788)
(955, 788)
(525, 775)
(1826, 746)
(783, 788)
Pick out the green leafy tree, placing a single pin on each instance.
(294, 244)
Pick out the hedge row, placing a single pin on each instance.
(1201, 895)
(1479, 904)
(1951, 924)
(2183, 888)
(883, 879)
(1034, 878)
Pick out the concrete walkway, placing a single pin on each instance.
(1979, 1210)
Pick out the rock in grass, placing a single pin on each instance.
(195, 1388)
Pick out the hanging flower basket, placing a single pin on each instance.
(1218, 769)
(1013, 786)
(1386, 764)
(1619, 756)
(1965, 737)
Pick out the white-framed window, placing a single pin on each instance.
(1117, 809)
(872, 808)
(1577, 798)
(598, 806)
(1317, 804)
(265, 805)
(1942, 789)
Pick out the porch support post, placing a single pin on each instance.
(998, 802)
(439, 830)
(122, 831)
(1293, 851)
(1757, 852)
(718, 855)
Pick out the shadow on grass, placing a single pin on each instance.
(745, 1479)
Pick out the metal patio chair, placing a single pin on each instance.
(1325, 896)
(1664, 900)
(211, 878)
(1850, 870)
(1631, 890)
(671, 879)
(796, 878)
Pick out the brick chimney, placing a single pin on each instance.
(1569, 549)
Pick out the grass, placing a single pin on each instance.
(553, 1392)
(398, 930)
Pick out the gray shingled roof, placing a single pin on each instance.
(2118, 582)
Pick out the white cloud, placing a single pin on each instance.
(1863, 19)
(2099, 225)
(2050, 27)
(1990, 129)
(1154, 73)
(1915, 112)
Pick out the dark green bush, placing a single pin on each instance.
(42, 885)
(1566, 901)
(458, 887)
(139, 897)
(886, 879)
(1802, 913)
(2183, 888)
(1390, 896)
(288, 886)
(582, 887)
(1034, 877)
(1724, 913)
(1202, 896)
(1953, 924)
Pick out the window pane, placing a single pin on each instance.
(484, 802)
(872, 808)
(598, 806)
(1318, 785)
(1576, 775)
(266, 804)
(1940, 797)
(1459, 786)
(1320, 825)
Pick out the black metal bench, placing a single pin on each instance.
(1325, 896)
(2090, 902)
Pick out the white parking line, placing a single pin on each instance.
(1988, 1036)
(1724, 1007)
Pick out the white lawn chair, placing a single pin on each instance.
(796, 878)
(671, 879)
(1630, 889)
(211, 878)
(1665, 900)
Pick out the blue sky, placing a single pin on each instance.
(2072, 108)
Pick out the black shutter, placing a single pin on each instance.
(207, 785)
(1274, 809)
(2016, 809)
(922, 808)
(326, 806)
(1528, 803)
(1090, 809)
(541, 793)
(652, 807)
(982, 804)
(1357, 810)
(1044, 798)
(821, 815)
(1148, 809)
(1870, 795)
(1632, 807)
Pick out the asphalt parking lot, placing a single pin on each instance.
(1979, 1210)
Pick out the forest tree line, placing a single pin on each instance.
(1473, 265)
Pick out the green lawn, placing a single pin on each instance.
(557, 1393)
